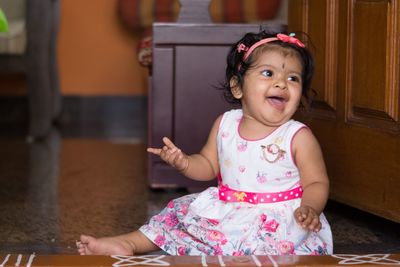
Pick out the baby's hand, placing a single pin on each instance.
(172, 155)
(307, 218)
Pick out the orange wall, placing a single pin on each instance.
(96, 53)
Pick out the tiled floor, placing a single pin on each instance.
(54, 190)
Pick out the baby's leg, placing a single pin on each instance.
(127, 244)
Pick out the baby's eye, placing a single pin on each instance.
(267, 73)
(294, 79)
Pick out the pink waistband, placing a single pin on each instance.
(231, 195)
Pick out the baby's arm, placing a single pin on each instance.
(202, 166)
(314, 179)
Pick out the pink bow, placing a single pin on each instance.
(241, 47)
(289, 39)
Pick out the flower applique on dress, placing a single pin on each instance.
(240, 196)
(272, 153)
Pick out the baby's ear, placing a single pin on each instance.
(235, 88)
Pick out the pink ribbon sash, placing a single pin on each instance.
(231, 195)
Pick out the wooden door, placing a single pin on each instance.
(355, 114)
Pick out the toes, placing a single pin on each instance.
(84, 238)
(84, 244)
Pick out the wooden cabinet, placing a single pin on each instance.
(355, 114)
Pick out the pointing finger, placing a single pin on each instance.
(156, 151)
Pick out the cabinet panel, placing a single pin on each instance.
(197, 100)
(161, 96)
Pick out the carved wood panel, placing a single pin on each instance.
(372, 96)
(318, 20)
(357, 81)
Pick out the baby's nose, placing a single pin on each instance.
(281, 83)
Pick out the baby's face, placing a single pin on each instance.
(272, 88)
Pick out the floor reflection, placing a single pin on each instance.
(42, 185)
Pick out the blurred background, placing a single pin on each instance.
(102, 58)
(96, 56)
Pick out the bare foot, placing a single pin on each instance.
(117, 245)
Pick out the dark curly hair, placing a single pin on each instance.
(237, 67)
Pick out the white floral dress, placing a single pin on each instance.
(251, 211)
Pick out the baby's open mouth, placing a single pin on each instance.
(277, 101)
(276, 98)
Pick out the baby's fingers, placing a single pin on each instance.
(175, 158)
(155, 151)
(169, 144)
(172, 156)
(165, 151)
(317, 227)
(300, 215)
(308, 219)
(168, 154)
(312, 223)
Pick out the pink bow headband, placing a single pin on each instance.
(280, 36)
